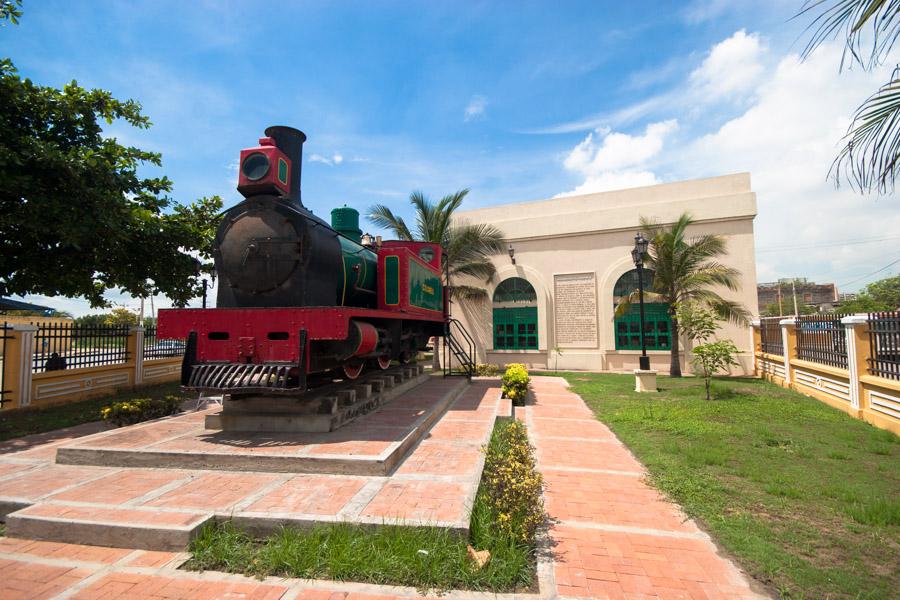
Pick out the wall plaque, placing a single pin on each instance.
(575, 310)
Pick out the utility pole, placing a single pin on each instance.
(780, 303)
(794, 291)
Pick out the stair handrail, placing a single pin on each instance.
(465, 356)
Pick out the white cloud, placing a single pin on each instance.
(730, 70)
(475, 109)
(733, 66)
(331, 161)
(785, 133)
(617, 161)
(700, 11)
(787, 140)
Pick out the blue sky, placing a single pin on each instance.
(517, 101)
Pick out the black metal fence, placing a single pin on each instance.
(156, 348)
(822, 339)
(770, 336)
(4, 334)
(884, 344)
(59, 346)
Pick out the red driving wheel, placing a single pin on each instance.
(352, 370)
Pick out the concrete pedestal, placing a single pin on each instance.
(644, 381)
(321, 411)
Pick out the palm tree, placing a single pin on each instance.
(467, 247)
(870, 156)
(686, 270)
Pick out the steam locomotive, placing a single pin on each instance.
(298, 296)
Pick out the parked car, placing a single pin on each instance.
(165, 348)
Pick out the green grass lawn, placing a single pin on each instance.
(805, 497)
(26, 422)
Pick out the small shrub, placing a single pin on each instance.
(713, 357)
(486, 370)
(128, 412)
(510, 491)
(515, 383)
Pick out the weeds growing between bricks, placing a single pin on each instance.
(505, 518)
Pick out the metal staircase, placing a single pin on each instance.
(459, 350)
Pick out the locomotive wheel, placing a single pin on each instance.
(404, 358)
(352, 370)
(384, 362)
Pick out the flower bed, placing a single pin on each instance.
(515, 383)
(129, 412)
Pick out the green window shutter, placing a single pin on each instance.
(392, 280)
(657, 327)
(516, 328)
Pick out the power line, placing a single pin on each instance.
(870, 274)
(827, 244)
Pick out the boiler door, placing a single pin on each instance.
(260, 250)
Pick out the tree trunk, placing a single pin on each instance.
(436, 359)
(675, 364)
(707, 386)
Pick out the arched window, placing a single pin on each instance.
(515, 315)
(657, 324)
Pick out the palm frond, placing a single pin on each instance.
(383, 217)
(848, 18)
(870, 158)
(633, 298)
(447, 206)
(483, 270)
(466, 292)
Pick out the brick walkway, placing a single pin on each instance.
(613, 536)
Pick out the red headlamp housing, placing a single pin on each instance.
(264, 170)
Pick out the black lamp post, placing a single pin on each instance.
(640, 250)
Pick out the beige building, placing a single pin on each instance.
(572, 262)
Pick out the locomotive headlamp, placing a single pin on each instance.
(255, 166)
(264, 170)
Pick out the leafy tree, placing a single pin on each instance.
(870, 157)
(787, 308)
(76, 218)
(712, 357)
(94, 320)
(121, 316)
(880, 295)
(467, 247)
(10, 10)
(685, 271)
(886, 292)
(697, 322)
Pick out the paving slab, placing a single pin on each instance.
(161, 508)
(371, 445)
(614, 536)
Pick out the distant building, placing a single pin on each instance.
(821, 295)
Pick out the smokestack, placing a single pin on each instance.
(290, 141)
